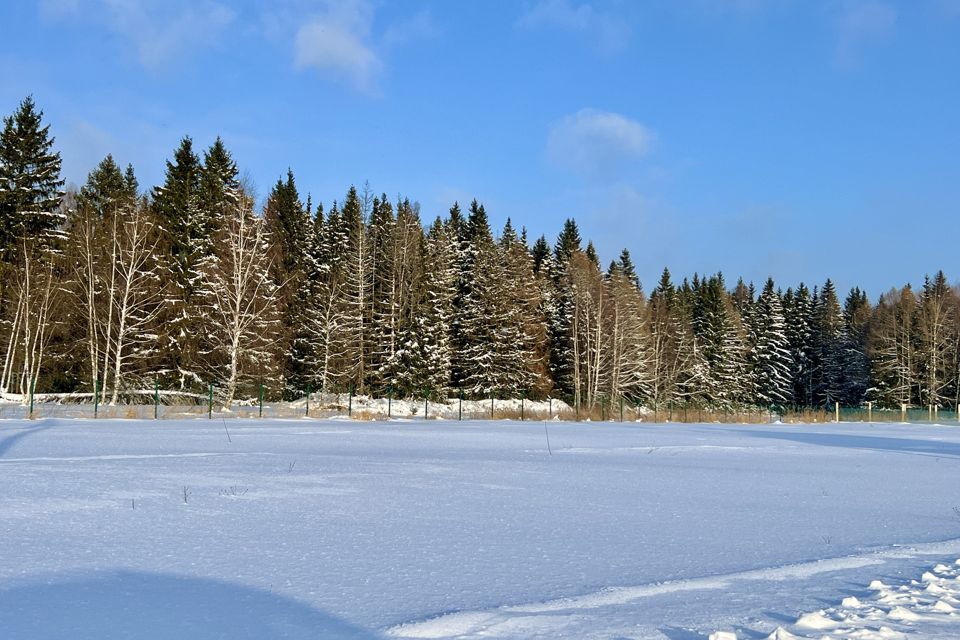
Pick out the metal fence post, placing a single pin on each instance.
(389, 401)
(491, 405)
(426, 406)
(308, 400)
(96, 397)
(156, 398)
(350, 402)
(460, 409)
(210, 403)
(33, 388)
(522, 398)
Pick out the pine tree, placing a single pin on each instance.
(177, 206)
(289, 226)
(356, 300)
(828, 345)
(478, 315)
(770, 356)
(560, 311)
(30, 182)
(856, 364)
(31, 220)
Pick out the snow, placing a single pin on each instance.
(307, 528)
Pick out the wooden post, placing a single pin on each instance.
(307, 413)
(156, 398)
(836, 408)
(460, 406)
(33, 388)
(869, 412)
(491, 405)
(96, 397)
(210, 403)
(930, 412)
(426, 406)
(903, 412)
(522, 397)
(350, 402)
(389, 400)
(550, 405)
(621, 408)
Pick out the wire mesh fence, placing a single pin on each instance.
(145, 404)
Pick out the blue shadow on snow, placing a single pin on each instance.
(147, 606)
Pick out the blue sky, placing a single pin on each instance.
(800, 139)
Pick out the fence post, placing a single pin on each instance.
(930, 412)
(550, 403)
(33, 388)
(836, 409)
(96, 397)
(460, 408)
(903, 412)
(869, 411)
(308, 400)
(426, 405)
(389, 400)
(621, 408)
(260, 399)
(491, 405)
(350, 402)
(210, 403)
(156, 398)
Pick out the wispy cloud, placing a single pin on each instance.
(337, 43)
(340, 42)
(160, 32)
(597, 144)
(608, 32)
(862, 24)
(420, 26)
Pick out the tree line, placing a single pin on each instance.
(111, 288)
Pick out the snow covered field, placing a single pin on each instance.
(412, 529)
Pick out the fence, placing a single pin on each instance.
(170, 405)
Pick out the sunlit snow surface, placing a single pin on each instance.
(313, 529)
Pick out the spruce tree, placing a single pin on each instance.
(771, 358)
(30, 182)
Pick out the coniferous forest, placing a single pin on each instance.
(118, 286)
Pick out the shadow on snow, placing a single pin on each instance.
(128, 604)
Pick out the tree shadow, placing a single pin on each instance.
(933, 448)
(10, 441)
(147, 606)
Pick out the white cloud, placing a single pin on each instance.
(340, 42)
(610, 32)
(860, 24)
(160, 32)
(336, 43)
(597, 144)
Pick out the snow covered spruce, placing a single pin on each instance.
(113, 289)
